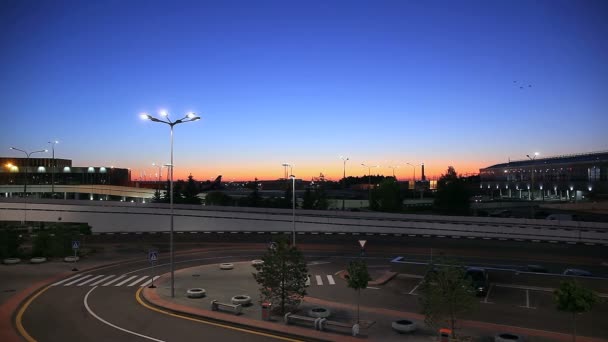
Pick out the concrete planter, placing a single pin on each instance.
(244, 300)
(257, 262)
(71, 259)
(508, 337)
(319, 312)
(196, 292)
(37, 260)
(403, 326)
(226, 266)
(11, 261)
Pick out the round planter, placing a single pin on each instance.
(71, 259)
(244, 300)
(403, 326)
(257, 262)
(507, 337)
(226, 266)
(319, 312)
(37, 260)
(196, 292)
(11, 261)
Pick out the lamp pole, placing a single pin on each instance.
(394, 167)
(188, 118)
(159, 166)
(369, 181)
(27, 162)
(293, 211)
(344, 159)
(53, 143)
(532, 177)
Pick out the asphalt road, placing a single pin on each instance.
(69, 312)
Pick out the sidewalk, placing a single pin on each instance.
(222, 285)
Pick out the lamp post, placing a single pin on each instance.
(369, 181)
(188, 118)
(27, 162)
(344, 160)
(293, 211)
(159, 166)
(532, 177)
(53, 143)
(394, 167)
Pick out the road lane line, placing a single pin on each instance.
(126, 280)
(19, 318)
(102, 280)
(114, 280)
(149, 281)
(138, 280)
(90, 280)
(77, 280)
(319, 280)
(331, 280)
(86, 305)
(68, 279)
(220, 325)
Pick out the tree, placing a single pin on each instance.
(574, 298)
(282, 277)
(308, 201)
(315, 200)
(191, 191)
(453, 196)
(9, 242)
(446, 293)
(387, 197)
(358, 277)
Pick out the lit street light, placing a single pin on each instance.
(27, 163)
(344, 159)
(188, 118)
(53, 143)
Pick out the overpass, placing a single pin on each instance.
(82, 191)
(121, 217)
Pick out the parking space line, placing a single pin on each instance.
(485, 301)
(527, 301)
(415, 288)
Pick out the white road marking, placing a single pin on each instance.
(89, 280)
(330, 279)
(138, 280)
(102, 280)
(114, 280)
(416, 287)
(86, 305)
(373, 288)
(485, 301)
(65, 280)
(319, 280)
(149, 281)
(527, 301)
(126, 280)
(77, 280)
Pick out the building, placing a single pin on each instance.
(567, 177)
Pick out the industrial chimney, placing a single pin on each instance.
(423, 176)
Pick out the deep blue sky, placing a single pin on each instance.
(383, 82)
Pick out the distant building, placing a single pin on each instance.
(570, 177)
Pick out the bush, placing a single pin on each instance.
(9, 243)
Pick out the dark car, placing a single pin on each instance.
(479, 280)
(577, 272)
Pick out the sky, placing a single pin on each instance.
(304, 82)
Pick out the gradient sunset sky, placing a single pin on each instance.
(382, 82)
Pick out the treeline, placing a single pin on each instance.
(54, 240)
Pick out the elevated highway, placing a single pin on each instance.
(118, 217)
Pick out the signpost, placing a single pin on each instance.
(152, 258)
(362, 244)
(75, 247)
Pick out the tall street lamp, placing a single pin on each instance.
(532, 177)
(159, 166)
(53, 143)
(293, 211)
(394, 167)
(344, 159)
(369, 181)
(27, 163)
(188, 118)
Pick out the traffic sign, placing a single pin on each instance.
(75, 244)
(272, 246)
(153, 255)
(362, 243)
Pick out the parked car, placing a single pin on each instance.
(577, 272)
(479, 279)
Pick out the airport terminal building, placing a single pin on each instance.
(568, 177)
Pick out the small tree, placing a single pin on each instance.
(387, 197)
(282, 277)
(445, 294)
(575, 299)
(453, 196)
(358, 277)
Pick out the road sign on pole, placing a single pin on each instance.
(152, 258)
(362, 243)
(75, 244)
(75, 247)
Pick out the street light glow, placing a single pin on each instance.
(145, 116)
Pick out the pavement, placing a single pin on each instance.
(222, 285)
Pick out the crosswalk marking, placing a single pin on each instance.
(101, 280)
(330, 279)
(89, 280)
(77, 280)
(138, 280)
(68, 279)
(319, 280)
(114, 280)
(125, 281)
(149, 281)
